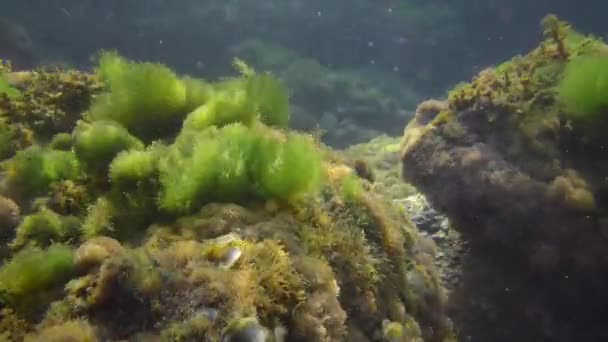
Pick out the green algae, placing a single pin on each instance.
(230, 216)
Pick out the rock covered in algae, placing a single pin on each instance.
(380, 157)
(9, 216)
(246, 329)
(48, 101)
(515, 160)
(75, 330)
(232, 218)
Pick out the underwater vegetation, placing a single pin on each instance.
(516, 160)
(584, 85)
(39, 104)
(146, 205)
(347, 104)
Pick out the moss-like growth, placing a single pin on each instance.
(393, 331)
(61, 141)
(223, 108)
(198, 325)
(144, 277)
(198, 92)
(557, 30)
(189, 277)
(7, 146)
(584, 87)
(564, 77)
(96, 144)
(9, 217)
(74, 330)
(12, 327)
(33, 170)
(52, 100)
(33, 271)
(45, 227)
(235, 162)
(100, 218)
(249, 99)
(124, 215)
(529, 120)
(244, 329)
(188, 171)
(351, 187)
(270, 98)
(68, 197)
(288, 169)
(134, 166)
(6, 89)
(146, 98)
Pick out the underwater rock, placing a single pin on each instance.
(75, 330)
(381, 156)
(229, 219)
(426, 218)
(94, 251)
(50, 101)
(523, 178)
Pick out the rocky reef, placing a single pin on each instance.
(139, 205)
(516, 159)
(379, 160)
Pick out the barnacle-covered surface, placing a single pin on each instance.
(109, 231)
(516, 159)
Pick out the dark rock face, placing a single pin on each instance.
(499, 162)
(556, 254)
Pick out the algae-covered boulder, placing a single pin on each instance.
(226, 227)
(516, 158)
(43, 102)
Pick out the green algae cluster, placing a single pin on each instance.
(556, 89)
(145, 98)
(6, 89)
(584, 86)
(171, 208)
(32, 272)
(546, 106)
